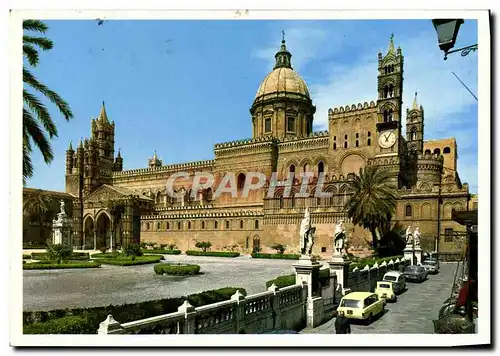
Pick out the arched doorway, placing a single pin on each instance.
(256, 244)
(88, 232)
(103, 231)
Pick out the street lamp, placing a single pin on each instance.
(447, 31)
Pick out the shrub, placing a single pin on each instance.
(172, 246)
(65, 265)
(131, 250)
(83, 256)
(176, 270)
(282, 281)
(65, 325)
(163, 252)
(280, 249)
(26, 257)
(143, 245)
(276, 256)
(203, 245)
(103, 249)
(213, 253)
(129, 261)
(59, 252)
(92, 317)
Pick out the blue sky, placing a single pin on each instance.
(178, 87)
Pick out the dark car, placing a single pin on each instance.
(432, 266)
(415, 273)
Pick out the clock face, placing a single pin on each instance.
(387, 139)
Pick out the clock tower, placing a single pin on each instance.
(390, 146)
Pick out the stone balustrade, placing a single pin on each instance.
(276, 308)
(366, 279)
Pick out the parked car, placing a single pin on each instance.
(398, 281)
(384, 290)
(361, 306)
(432, 266)
(415, 273)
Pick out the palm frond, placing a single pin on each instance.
(35, 25)
(40, 111)
(27, 164)
(32, 130)
(31, 54)
(42, 42)
(63, 107)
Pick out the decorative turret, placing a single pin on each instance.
(118, 165)
(154, 162)
(283, 57)
(69, 159)
(415, 127)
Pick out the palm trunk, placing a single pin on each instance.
(374, 237)
(40, 224)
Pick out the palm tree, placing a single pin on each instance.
(34, 112)
(37, 204)
(374, 201)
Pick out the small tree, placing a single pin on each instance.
(143, 245)
(279, 248)
(172, 247)
(203, 245)
(59, 252)
(131, 250)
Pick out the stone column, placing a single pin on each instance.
(307, 270)
(408, 253)
(189, 325)
(340, 268)
(418, 254)
(95, 237)
(239, 312)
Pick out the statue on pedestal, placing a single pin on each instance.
(416, 237)
(409, 237)
(306, 234)
(339, 238)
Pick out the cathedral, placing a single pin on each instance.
(283, 141)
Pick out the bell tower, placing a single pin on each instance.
(415, 127)
(390, 100)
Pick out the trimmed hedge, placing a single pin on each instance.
(213, 253)
(163, 252)
(54, 265)
(176, 269)
(127, 261)
(82, 256)
(47, 322)
(289, 280)
(26, 257)
(283, 256)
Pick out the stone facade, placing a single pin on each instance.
(425, 172)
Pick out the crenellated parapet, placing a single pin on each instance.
(244, 147)
(317, 140)
(204, 215)
(353, 109)
(197, 165)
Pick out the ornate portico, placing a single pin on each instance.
(111, 216)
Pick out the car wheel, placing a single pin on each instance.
(370, 319)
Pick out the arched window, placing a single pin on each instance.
(290, 124)
(158, 226)
(357, 135)
(256, 224)
(178, 225)
(227, 224)
(369, 142)
(386, 92)
(345, 137)
(241, 225)
(391, 91)
(321, 167)
(189, 225)
(267, 125)
(203, 225)
(335, 138)
(306, 167)
(241, 180)
(216, 225)
(147, 226)
(345, 144)
(292, 168)
(446, 150)
(413, 134)
(357, 143)
(408, 210)
(334, 146)
(437, 151)
(427, 152)
(168, 225)
(369, 134)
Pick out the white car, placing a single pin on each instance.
(398, 281)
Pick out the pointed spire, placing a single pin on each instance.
(102, 114)
(391, 45)
(119, 154)
(415, 104)
(283, 57)
(70, 146)
(154, 155)
(80, 145)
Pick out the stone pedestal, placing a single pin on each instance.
(340, 268)
(307, 270)
(61, 229)
(408, 253)
(418, 255)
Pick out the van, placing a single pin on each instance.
(398, 281)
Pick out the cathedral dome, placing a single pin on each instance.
(282, 80)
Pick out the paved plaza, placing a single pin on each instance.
(81, 288)
(412, 313)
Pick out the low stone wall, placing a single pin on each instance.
(365, 279)
(276, 308)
